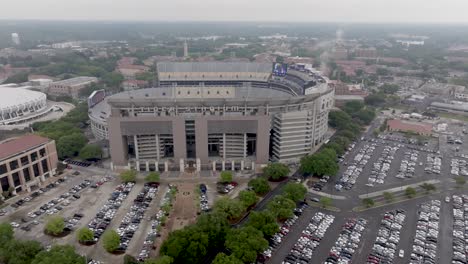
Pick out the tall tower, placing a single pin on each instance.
(15, 38)
(185, 49)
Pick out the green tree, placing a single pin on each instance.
(460, 180)
(410, 192)
(63, 254)
(376, 99)
(295, 191)
(339, 119)
(152, 177)
(389, 197)
(216, 227)
(428, 187)
(368, 202)
(259, 185)
(55, 225)
(222, 258)
(17, 78)
(128, 176)
(110, 241)
(6, 233)
(353, 107)
(339, 149)
(276, 171)
(90, 151)
(231, 208)
(85, 235)
(188, 245)
(281, 207)
(160, 260)
(321, 163)
(69, 145)
(226, 176)
(245, 243)
(247, 198)
(128, 259)
(264, 221)
(326, 201)
(365, 116)
(19, 252)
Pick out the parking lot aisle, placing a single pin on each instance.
(321, 252)
(367, 239)
(445, 245)
(136, 244)
(125, 207)
(292, 237)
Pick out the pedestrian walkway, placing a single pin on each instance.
(335, 197)
(396, 189)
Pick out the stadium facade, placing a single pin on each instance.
(215, 115)
(18, 105)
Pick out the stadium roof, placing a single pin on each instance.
(12, 97)
(11, 147)
(214, 67)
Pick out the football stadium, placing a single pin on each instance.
(215, 116)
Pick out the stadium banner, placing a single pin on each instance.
(280, 69)
(96, 97)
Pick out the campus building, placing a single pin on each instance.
(216, 116)
(26, 162)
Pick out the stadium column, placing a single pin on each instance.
(178, 133)
(118, 150)
(201, 139)
(263, 139)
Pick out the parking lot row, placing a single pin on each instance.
(310, 239)
(347, 242)
(460, 229)
(388, 237)
(382, 166)
(424, 249)
(107, 212)
(132, 219)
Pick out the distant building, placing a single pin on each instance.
(26, 162)
(70, 87)
(365, 52)
(130, 71)
(419, 128)
(408, 43)
(340, 54)
(15, 38)
(128, 85)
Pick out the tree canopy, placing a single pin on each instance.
(110, 240)
(321, 163)
(247, 198)
(19, 252)
(160, 260)
(55, 225)
(128, 176)
(222, 258)
(70, 145)
(264, 221)
(276, 171)
(84, 235)
(226, 176)
(91, 151)
(259, 185)
(295, 191)
(63, 254)
(245, 243)
(281, 207)
(188, 245)
(231, 208)
(152, 177)
(6, 233)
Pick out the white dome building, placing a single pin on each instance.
(17, 104)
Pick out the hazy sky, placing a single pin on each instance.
(240, 10)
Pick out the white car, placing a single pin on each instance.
(447, 199)
(401, 253)
(14, 224)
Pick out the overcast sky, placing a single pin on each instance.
(240, 10)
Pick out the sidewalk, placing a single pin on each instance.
(396, 189)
